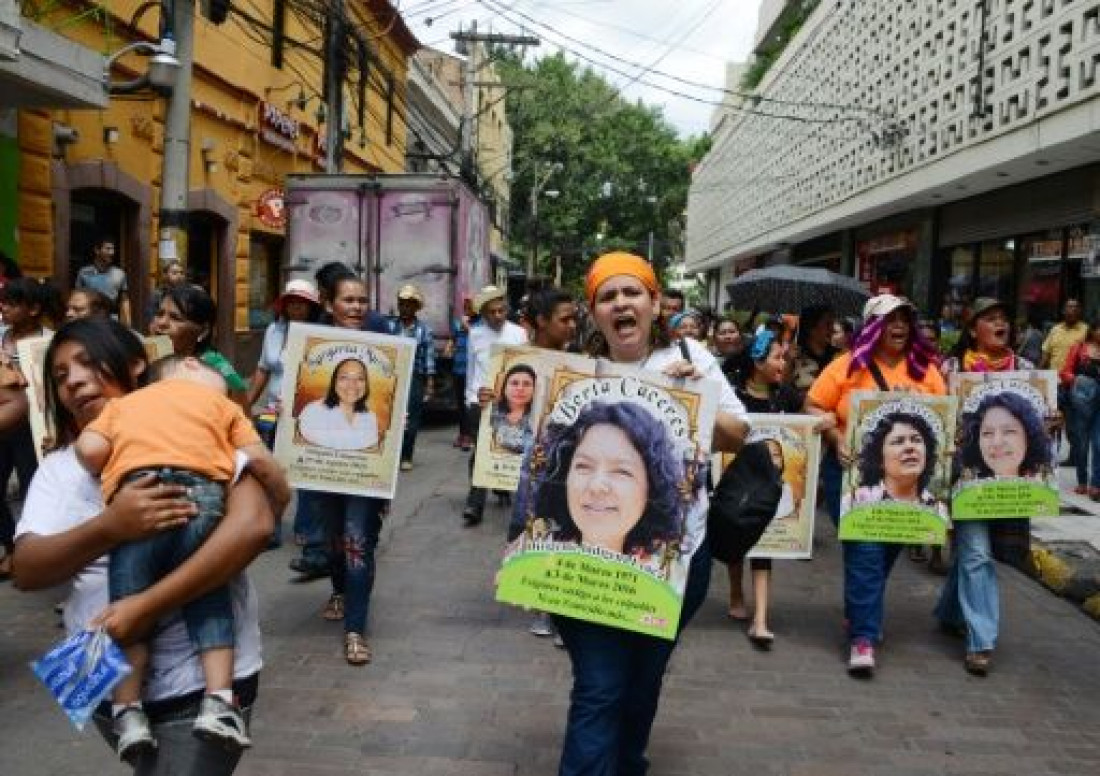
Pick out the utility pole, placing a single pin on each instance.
(172, 216)
(334, 89)
(468, 45)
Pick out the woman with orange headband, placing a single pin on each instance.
(617, 674)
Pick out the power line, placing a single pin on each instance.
(552, 32)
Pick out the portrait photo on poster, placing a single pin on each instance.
(897, 489)
(343, 408)
(608, 505)
(1004, 462)
(795, 449)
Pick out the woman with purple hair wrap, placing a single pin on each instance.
(891, 345)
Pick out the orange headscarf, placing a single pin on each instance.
(611, 264)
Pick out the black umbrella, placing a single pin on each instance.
(789, 289)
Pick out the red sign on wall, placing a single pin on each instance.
(270, 208)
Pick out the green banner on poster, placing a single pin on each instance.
(610, 591)
(894, 522)
(990, 499)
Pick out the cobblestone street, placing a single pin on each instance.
(459, 687)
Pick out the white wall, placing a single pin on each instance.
(861, 68)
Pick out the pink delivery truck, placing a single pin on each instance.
(394, 229)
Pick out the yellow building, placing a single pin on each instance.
(256, 117)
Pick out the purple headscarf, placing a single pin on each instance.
(919, 354)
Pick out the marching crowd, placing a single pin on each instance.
(193, 712)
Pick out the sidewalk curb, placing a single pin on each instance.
(1070, 569)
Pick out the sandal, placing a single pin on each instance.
(978, 663)
(761, 639)
(356, 649)
(334, 609)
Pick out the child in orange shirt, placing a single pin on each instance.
(184, 430)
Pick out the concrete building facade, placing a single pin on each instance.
(941, 149)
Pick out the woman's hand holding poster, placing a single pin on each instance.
(610, 493)
(897, 489)
(343, 413)
(795, 448)
(506, 425)
(1004, 463)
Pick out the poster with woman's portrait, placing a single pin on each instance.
(898, 487)
(343, 409)
(32, 356)
(507, 424)
(610, 495)
(795, 449)
(1004, 460)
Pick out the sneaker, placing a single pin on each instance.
(542, 626)
(135, 737)
(470, 517)
(406, 466)
(861, 658)
(558, 641)
(221, 722)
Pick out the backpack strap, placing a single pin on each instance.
(876, 373)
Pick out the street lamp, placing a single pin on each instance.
(161, 76)
(549, 168)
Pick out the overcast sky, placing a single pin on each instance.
(689, 39)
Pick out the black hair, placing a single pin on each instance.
(661, 522)
(331, 399)
(808, 320)
(330, 275)
(110, 346)
(674, 293)
(34, 292)
(8, 267)
(98, 302)
(101, 239)
(527, 369)
(196, 306)
(544, 302)
(1037, 458)
(872, 470)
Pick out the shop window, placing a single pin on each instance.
(263, 278)
(1041, 285)
(960, 282)
(996, 270)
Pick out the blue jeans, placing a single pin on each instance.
(354, 523)
(414, 411)
(1085, 441)
(266, 428)
(617, 678)
(136, 566)
(867, 567)
(310, 524)
(970, 596)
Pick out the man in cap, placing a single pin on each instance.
(493, 328)
(406, 324)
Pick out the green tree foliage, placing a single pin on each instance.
(624, 171)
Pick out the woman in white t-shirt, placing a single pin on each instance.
(66, 532)
(342, 420)
(617, 674)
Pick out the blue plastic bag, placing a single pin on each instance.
(81, 671)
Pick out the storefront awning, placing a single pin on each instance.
(41, 69)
